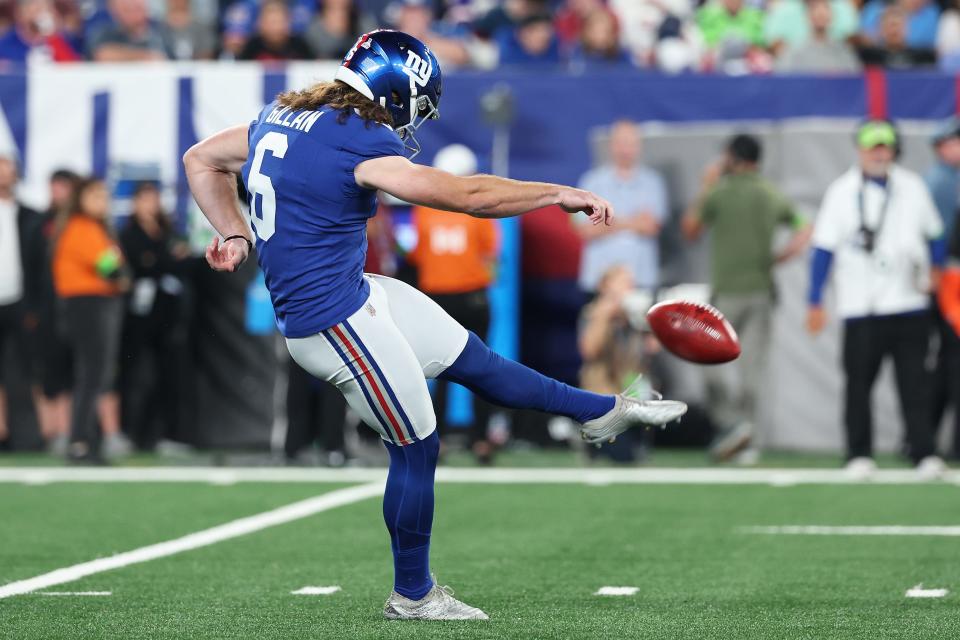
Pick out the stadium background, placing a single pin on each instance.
(130, 121)
(126, 123)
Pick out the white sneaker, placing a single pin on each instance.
(59, 445)
(749, 457)
(438, 604)
(638, 404)
(931, 468)
(733, 442)
(860, 468)
(116, 446)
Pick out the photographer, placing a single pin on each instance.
(614, 346)
(880, 227)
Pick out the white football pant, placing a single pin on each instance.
(381, 356)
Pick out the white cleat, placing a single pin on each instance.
(631, 408)
(438, 604)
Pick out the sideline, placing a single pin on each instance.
(500, 475)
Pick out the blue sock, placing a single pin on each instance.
(510, 384)
(408, 512)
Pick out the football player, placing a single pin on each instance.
(312, 163)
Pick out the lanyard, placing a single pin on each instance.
(869, 236)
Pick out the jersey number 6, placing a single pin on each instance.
(264, 221)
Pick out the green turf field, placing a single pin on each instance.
(531, 555)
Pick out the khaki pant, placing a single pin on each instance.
(733, 388)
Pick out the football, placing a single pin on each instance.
(694, 331)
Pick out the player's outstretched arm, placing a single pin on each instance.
(211, 166)
(481, 196)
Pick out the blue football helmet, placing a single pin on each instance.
(400, 73)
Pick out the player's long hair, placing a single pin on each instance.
(336, 95)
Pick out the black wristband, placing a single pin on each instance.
(244, 238)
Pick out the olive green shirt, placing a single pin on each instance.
(743, 212)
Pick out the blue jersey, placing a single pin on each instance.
(308, 213)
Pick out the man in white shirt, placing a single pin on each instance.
(880, 229)
(21, 247)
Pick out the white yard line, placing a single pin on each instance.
(919, 592)
(75, 593)
(617, 591)
(598, 477)
(316, 591)
(234, 529)
(890, 530)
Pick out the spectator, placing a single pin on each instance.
(53, 405)
(948, 38)
(790, 23)
(600, 41)
(6, 14)
(679, 46)
(879, 223)
(943, 180)
(920, 18)
(132, 37)
(639, 197)
(532, 42)
(35, 35)
(416, 18)
(615, 347)
(571, 18)
(551, 299)
(241, 16)
(648, 25)
(71, 24)
(550, 305)
(943, 177)
(336, 27)
(507, 15)
(455, 256)
(189, 39)
(274, 40)
(742, 211)
(947, 384)
(21, 265)
(88, 274)
(893, 50)
(237, 21)
(820, 52)
(154, 329)
(729, 20)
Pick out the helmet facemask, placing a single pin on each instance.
(421, 109)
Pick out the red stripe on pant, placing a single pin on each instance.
(373, 384)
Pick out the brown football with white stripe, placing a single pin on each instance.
(694, 331)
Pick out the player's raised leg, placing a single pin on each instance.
(446, 350)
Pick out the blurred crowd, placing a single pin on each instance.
(728, 36)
